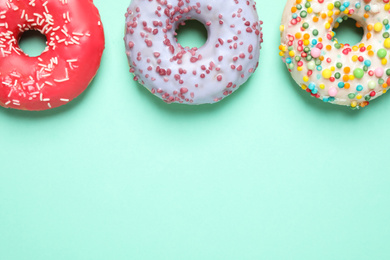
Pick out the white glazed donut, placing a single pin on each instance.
(198, 75)
(335, 72)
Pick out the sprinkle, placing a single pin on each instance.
(382, 53)
(371, 84)
(315, 52)
(358, 73)
(378, 27)
(332, 91)
(327, 73)
(379, 72)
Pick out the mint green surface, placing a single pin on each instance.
(347, 32)
(268, 173)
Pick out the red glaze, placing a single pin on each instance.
(75, 41)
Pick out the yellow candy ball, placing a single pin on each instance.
(378, 27)
(387, 43)
(326, 73)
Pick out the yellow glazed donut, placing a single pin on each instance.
(331, 71)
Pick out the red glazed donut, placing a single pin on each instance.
(75, 43)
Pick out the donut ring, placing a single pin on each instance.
(75, 42)
(198, 75)
(334, 72)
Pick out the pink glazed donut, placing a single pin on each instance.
(186, 75)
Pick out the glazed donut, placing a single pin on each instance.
(179, 74)
(75, 42)
(327, 69)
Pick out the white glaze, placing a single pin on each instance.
(192, 76)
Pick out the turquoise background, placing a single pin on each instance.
(268, 173)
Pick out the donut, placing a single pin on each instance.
(178, 74)
(327, 69)
(75, 43)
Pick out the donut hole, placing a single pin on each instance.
(348, 32)
(32, 43)
(191, 33)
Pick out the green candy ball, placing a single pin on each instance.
(358, 73)
(371, 84)
(311, 65)
(381, 53)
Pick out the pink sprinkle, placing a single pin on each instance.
(379, 72)
(332, 91)
(315, 52)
